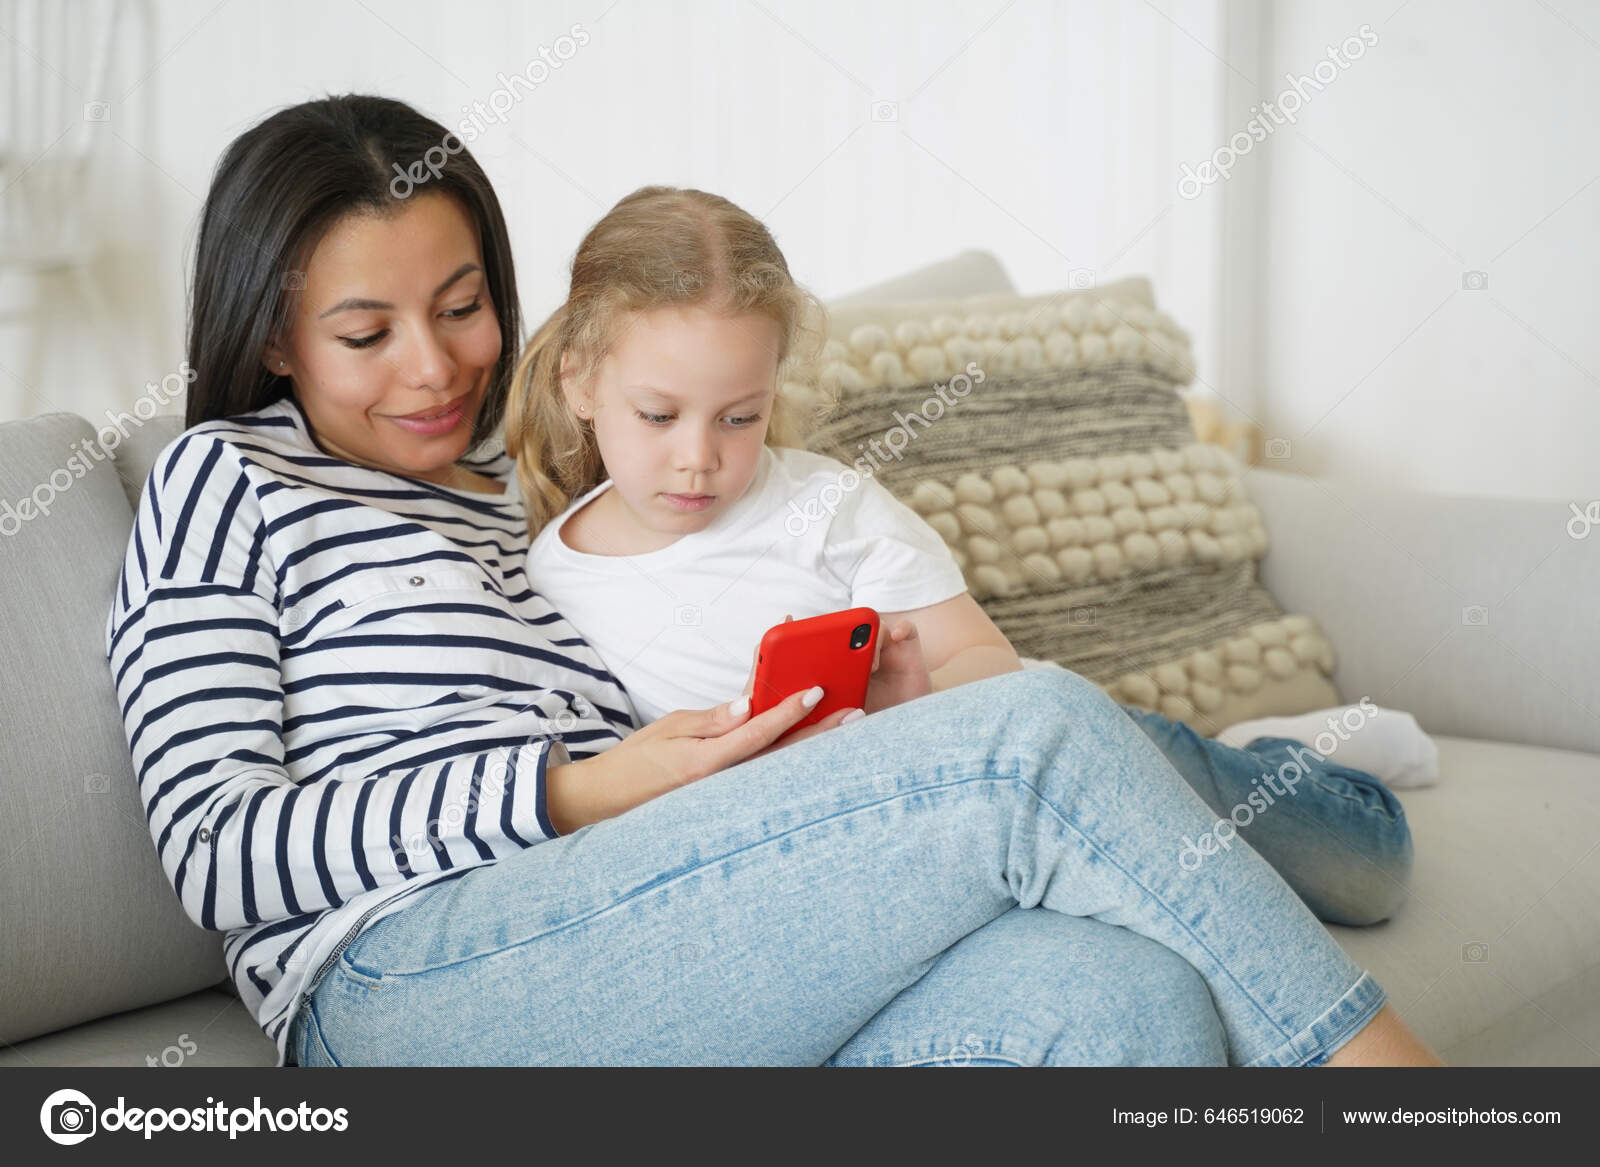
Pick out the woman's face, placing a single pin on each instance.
(395, 338)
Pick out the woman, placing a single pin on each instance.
(378, 760)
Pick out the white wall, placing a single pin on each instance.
(1465, 140)
(1322, 282)
(1046, 132)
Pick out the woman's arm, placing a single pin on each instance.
(959, 641)
(673, 751)
(193, 645)
(241, 842)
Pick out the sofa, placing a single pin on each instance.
(1469, 613)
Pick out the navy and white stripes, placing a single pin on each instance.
(337, 687)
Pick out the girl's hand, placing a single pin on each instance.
(900, 673)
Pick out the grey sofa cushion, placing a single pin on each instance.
(135, 454)
(90, 925)
(1485, 626)
(1494, 959)
(205, 1029)
(970, 273)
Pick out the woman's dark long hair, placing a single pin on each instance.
(279, 187)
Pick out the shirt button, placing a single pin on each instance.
(416, 581)
(204, 834)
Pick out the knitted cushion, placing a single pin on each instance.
(1043, 437)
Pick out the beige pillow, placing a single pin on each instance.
(1043, 437)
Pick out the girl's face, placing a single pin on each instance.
(395, 339)
(680, 408)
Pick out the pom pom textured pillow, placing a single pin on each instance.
(1043, 437)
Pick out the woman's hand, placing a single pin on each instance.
(673, 751)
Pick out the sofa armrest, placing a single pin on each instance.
(1477, 615)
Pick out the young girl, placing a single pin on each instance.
(666, 370)
(676, 519)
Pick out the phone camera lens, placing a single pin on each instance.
(860, 636)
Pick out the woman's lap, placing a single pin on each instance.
(631, 971)
(709, 927)
(1030, 988)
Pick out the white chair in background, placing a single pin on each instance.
(56, 57)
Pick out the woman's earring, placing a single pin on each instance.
(283, 364)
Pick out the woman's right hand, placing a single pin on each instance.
(670, 752)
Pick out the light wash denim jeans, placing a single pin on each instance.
(1339, 836)
(994, 874)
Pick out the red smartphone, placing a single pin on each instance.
(834, 651)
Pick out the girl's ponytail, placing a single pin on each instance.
(556, 455)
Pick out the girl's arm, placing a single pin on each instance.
(959, 641)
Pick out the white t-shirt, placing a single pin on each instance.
(679, 626)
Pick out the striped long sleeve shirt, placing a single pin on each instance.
(338, 689)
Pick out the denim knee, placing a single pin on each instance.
(1053, 696)
(1371, 891)
(1056, 708)
(1178, 1024)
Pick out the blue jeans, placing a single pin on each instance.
(993, 874)
(1337, 835)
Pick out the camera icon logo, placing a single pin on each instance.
(1475, 952)
(965, 1051)
(294, 281)
(97, 111)
(1475, 616)
(686, 615)
(1083, 617)
(1277, 447)
(96, 784)
(1475, 281)
(1583, 521)
(686, 283)
(68, 1117)
(885, 111)
(1081, 278)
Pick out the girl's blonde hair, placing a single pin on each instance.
(659, 247)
